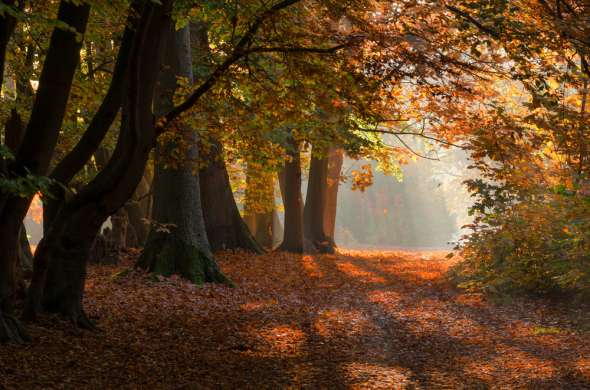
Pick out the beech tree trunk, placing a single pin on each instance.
(89, 144)
(60, 261)
(315, 205)
(293, 202)
(178, 243)
(37, 147)
(225, 227)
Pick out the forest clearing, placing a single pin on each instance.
(357, 319)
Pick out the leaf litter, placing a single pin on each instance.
(357, 319)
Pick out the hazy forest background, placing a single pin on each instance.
(294, 194)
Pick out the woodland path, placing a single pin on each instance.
(375, 320)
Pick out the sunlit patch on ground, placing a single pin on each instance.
(372, 376)
(304, 322)
(285, 339)
(311, 267)
(583, 365)
(357, 272)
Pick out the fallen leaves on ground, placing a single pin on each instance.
(359, 320)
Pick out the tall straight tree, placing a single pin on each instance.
(293, 202)
(177, 243)
(315, 204)
(335, 161)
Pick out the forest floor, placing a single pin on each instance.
(374, 320)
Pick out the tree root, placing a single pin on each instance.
(12, 331)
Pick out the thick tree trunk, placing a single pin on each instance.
(60, 260)
(293, 202)
(225, 227)
(40, 138)
(315, 205)
(178, 243)
(335, 161)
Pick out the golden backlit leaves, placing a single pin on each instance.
(362, 178)
(358, 319)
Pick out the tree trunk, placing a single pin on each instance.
(37, 147)
(277, 229)
(178, 243)
(60, 261)
(89, 144)
(225, 227)
(315, 204)
(336, 159)
(137, 228)
(293, 202)
(259, 205)
(7, 24)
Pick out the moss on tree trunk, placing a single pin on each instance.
(167, 254)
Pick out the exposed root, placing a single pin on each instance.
(12, 331)
(77, 316)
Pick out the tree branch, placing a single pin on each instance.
(421, 135)
(236, 55)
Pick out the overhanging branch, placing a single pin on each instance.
(238, 53)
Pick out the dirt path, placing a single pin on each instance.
(375, 320)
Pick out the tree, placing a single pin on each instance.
(36, 149)
(293, 232)
(225, 226)
(315, 204)
(335, 161)
(177, 243)
(60, 260)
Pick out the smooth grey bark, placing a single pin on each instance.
(177, 243)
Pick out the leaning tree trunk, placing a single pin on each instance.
(60, 260)
(315, 204)
(36, 150)
(225, 227)
(89, 144)
(335, 161)
(293, 202)
(177, 243)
